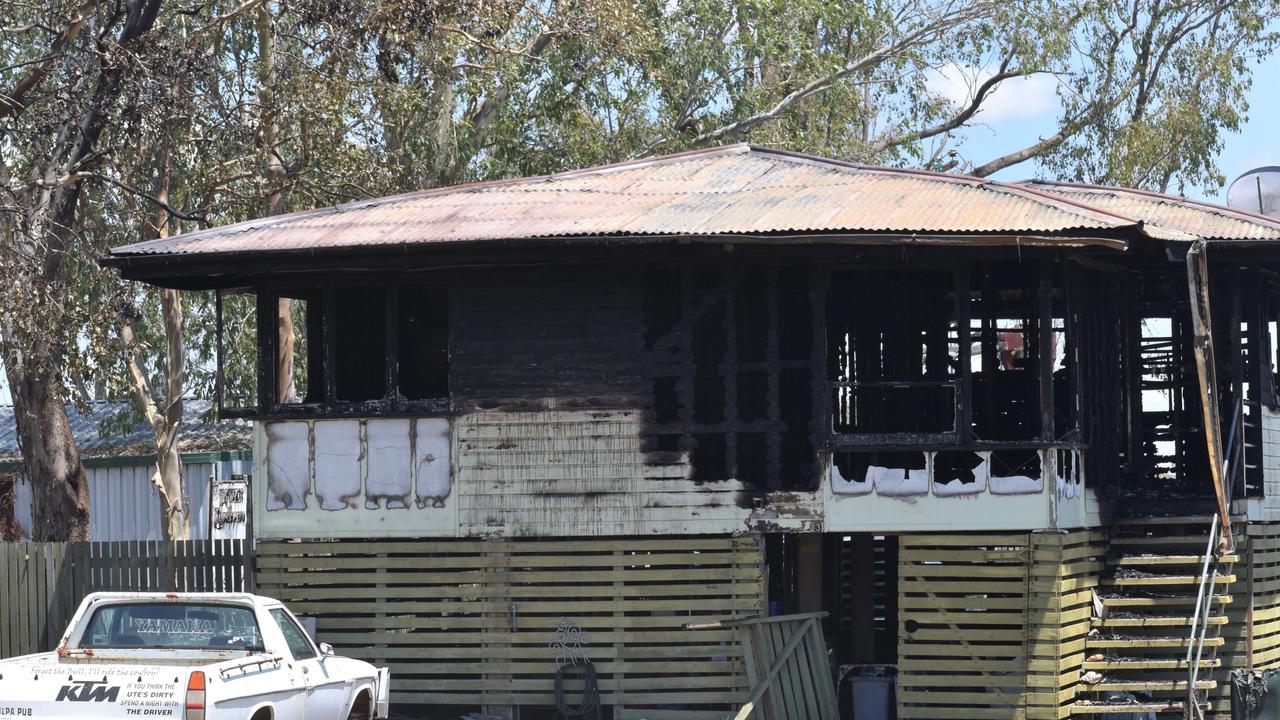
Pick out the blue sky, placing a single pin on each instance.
(1023, 111)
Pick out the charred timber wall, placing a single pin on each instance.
(570, 421)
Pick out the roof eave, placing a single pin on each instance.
(1112, 239)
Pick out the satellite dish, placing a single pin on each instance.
(1257, 191)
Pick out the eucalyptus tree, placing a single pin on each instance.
(65, 71)
(1146, 88)
(123, 120)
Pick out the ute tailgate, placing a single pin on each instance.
(51, 691)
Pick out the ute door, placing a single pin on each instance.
(326, 694)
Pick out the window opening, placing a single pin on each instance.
(1016, 463)
(1016, 471)
(1174, 461)
(889, 472)
(1271, 358)
(1004, 326)
(360, 343)
(893, 353)
(299, 349)
(422, 341)
(1064, 360)
(237, 352)
(958, 472)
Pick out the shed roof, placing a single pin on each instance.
(1168, 217)
(94, 439)
(738, 191)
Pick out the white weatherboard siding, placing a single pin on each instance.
(378, 477)
(577, 473)
(124, 505)
(891, 500)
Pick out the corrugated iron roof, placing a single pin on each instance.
(94, 440)
(1168, 217)
(736, 190)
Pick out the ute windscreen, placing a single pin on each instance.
(186, 626)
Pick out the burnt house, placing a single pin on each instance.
(986, 427)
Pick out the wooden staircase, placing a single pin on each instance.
(1136, 651)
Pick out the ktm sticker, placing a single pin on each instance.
(88, 691)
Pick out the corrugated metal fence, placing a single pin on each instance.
(124, 505)
(42, 584)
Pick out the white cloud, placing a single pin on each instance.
(1013, 99)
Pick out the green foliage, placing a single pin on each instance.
(227, 112)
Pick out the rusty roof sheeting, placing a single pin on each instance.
(1168, 217)
(734, 190)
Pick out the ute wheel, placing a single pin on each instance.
(363, 708)
(263, 714)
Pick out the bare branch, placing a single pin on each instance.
(12, 101)
(227, 16)
(529, 52)
(927, 32)
(203, 220)
(483, 117)
(956, 120)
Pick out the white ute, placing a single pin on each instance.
(190, 656)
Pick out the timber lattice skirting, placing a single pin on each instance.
(468, 622)
(993, 625)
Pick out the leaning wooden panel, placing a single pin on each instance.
(466, 622)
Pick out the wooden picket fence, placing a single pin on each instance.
(42, 584)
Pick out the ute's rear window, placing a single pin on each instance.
(186, 626)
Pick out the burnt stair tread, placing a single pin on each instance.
(1140, 663)
(1157, 621)
(1102, 707)
(1148, 579)
(1149, 642)
(1140, 559)
(1117, 601)
(1122, 685)
(1148, 521)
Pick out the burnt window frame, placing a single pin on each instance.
(963, 437)
(960, 383)
(1269, 357)
(236, 411)
(324, 294)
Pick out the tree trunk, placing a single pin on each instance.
(50, 459)
(287, 389)
(169, 481)
(166, 419)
